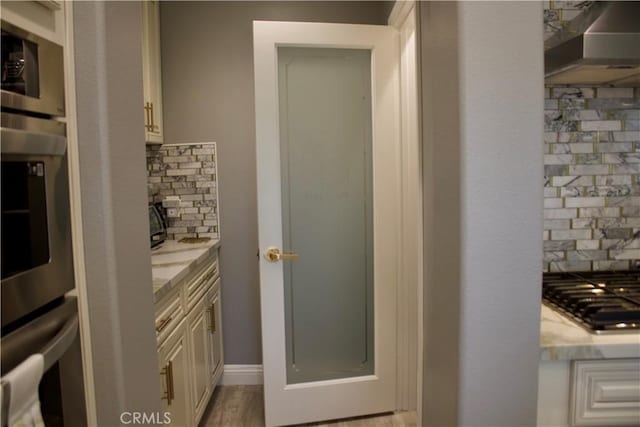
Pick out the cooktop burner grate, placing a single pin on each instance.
(600, 301)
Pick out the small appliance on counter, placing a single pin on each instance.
(600, 301)
(157, 225)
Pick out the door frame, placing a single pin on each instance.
(384, 40)
(403, 16)
(75, 202)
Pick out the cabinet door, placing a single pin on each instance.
(199, 335)
(151, 71)
(43, 18)
(174, 371)
(605, 392)
(216, 353)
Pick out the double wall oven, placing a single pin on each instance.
(38, 315)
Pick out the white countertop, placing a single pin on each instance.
(172, 261)
(560, 337)
(563, 339)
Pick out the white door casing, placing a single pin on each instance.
(338, 398)
(403, 17)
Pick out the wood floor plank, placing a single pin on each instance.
(243, 406)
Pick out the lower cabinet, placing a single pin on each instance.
(190, 354)
(203, 326)
(605, 392)
(216, 334)
(175, 376)
(580, 393)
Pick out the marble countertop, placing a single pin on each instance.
(172, 261)
(563, 339)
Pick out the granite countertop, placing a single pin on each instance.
(172, 261)
(563, 339)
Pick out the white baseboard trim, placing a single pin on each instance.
(242, 375)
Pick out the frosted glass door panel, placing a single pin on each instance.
(326, 166)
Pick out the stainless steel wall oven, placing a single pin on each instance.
(38, 315)
(37, 261)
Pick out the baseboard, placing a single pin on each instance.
(242, 375)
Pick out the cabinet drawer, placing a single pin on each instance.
(605, 392)
(202, 281)
(168, 315)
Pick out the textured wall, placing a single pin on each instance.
(114, 212)
(592, 169)
(482, 109)
(207, 71)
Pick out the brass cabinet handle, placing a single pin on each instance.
(149, 125)
(212, 318)
(273, 254)
(147, 117)
(153, 122)
(167, 371)
(163, 324)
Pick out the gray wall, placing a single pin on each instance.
(207, 66)
(114, 212)
(482, 101)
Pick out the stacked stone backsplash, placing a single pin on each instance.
(592, 169)
(190, 172)
(592, 178)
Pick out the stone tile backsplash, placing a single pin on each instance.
(592, 169)
(592, 178)
(190, 172)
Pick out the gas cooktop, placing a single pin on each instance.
(602, 302)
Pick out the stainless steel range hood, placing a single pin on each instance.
(599, 46)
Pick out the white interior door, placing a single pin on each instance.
(328, 161)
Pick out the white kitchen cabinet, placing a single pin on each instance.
(44, 18)
(199, 321)
(603, 392)
(152, 73)
(175, 371)
(194, 304)
(216, 337)
(204, 321)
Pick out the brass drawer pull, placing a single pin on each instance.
(163, 324)
(167, 371)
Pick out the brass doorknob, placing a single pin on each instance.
(273, 254)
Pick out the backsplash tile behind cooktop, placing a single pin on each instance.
(592, 178)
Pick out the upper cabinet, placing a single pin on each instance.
(44, 18)
(152, 75)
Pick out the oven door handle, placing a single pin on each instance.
(17, 141)
(51, 353)
(59, 344)
(50, 335)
